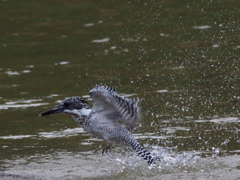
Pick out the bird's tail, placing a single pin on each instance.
(145, 154)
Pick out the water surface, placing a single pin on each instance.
(181, 58)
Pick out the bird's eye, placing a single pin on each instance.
(78, 106)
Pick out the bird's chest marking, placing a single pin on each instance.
(81, 120)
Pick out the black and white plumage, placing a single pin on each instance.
(102, 121)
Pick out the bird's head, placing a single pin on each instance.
(72, 105)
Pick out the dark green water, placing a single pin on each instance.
(180, 57)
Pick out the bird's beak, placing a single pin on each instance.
(53, 111)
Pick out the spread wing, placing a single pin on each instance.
(107, 103)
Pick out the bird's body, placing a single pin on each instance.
(102, 121)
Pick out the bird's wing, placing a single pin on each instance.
(107, 103)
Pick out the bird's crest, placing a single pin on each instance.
(74, 99)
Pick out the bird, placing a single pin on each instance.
(102, 120)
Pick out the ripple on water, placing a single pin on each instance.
(22, 104)
(220, 120)
(202, 27)
(62, 63)
(101, 40)
(45, 135)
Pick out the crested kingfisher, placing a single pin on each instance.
(102, 120)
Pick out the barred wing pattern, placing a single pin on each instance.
(107, 102)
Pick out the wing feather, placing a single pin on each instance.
(107, 102)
